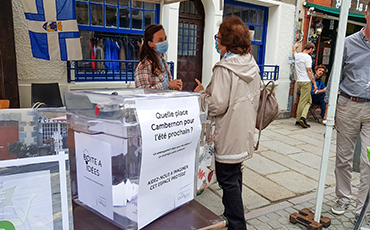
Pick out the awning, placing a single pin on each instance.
(335, 12)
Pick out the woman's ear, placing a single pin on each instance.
(152, 45)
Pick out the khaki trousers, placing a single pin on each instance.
(305, 99)
(352, 120)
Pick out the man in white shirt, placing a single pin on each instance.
(305, 77)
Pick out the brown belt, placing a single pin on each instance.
(356, 99)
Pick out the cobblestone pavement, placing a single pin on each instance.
(282, 177)
(277, 216)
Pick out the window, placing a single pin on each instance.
(188, 39)
(111, 33)
(49, 129)
(119, 16)
(256, 18)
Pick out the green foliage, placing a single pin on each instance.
(33, 149)
(22, 150)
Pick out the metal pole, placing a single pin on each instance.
(337, 67)
(309, 28)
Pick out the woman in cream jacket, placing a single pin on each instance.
(232, 99)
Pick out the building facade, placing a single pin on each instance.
(320, 26)
(190, 27)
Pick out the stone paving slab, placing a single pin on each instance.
(263, 165)
(312, 138)
(297, 166)
(211, 201)
(288, 140)
(261, 148)
(284, 131)
(267, 188)
(263, 138)
(304, 137)
(267, 133)
(294, 181)
(253, 198)
(280, 147)
(315, 150)
(313, 161)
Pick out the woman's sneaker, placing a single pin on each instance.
(339, 208)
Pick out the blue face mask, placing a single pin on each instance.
(216, 46)
(162, 47)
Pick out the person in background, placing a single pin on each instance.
(232, 99)
(303, 67)
(353, 120)
(152, 70)
(319, 94)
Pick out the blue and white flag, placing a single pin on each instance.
(53, 29)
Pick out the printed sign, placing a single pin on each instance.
(29, 194)
(170, 133)
(326, 51)
(94, 173)
(358, 6)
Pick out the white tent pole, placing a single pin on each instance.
(337, 67)
(161, 11)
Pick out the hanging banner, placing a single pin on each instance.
(170, 131)
(53, 29)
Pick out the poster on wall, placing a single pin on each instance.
(326, 51)
(25, 200)
(170, 131)
(325, 60)
(94, 173)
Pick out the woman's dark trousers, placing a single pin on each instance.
(229, 176)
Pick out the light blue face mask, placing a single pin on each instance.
(162, 47)
(216, 46)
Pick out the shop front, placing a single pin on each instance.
(321, 27)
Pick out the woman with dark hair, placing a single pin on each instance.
(232, 99)
(152, 70)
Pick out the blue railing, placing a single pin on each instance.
(105, 70)
(114, 70)
(269, 72)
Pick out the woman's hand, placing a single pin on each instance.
(175, 84)
(199, 86)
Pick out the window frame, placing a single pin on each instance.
(262, 43)
(118, 29)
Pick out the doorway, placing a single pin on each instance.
(8, 134)
(190, 43)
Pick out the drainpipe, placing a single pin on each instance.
(292, 79)
(310, 11)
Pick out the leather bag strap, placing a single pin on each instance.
(263, 108)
